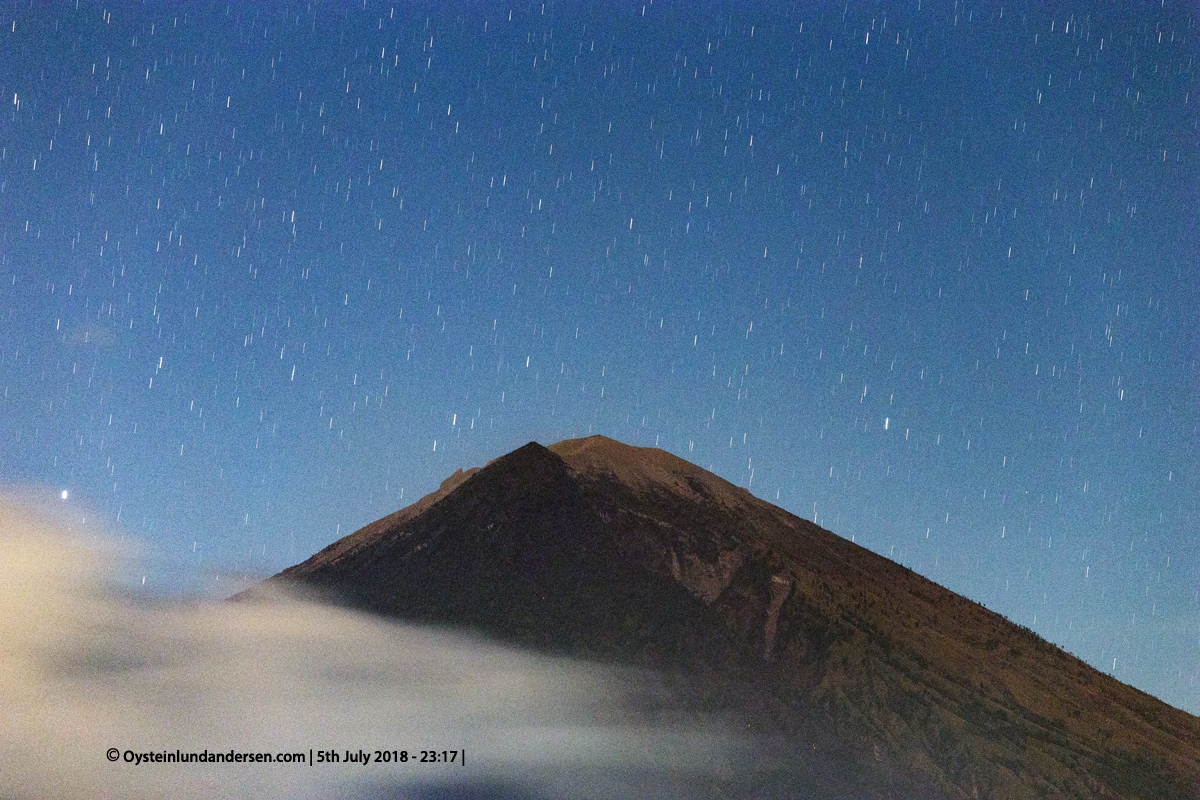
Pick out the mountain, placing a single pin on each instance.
(882, 682)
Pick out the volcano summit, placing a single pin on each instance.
(881, 682)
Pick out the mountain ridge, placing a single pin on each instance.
(595, 548)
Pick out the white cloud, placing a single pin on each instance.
(85, 668)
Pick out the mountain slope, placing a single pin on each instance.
(596, 548)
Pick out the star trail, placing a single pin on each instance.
(925, 273)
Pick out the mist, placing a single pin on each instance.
(87, 668)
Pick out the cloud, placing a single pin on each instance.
(91, 335)
(86, 668)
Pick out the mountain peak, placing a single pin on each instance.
(596, 548)
(645, 468)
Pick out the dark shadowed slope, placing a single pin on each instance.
(599, 549)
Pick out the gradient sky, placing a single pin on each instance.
(925, 273)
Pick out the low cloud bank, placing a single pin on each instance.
(89, 673)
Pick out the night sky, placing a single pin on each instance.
(925, 273)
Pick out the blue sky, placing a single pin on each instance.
(925, 273)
